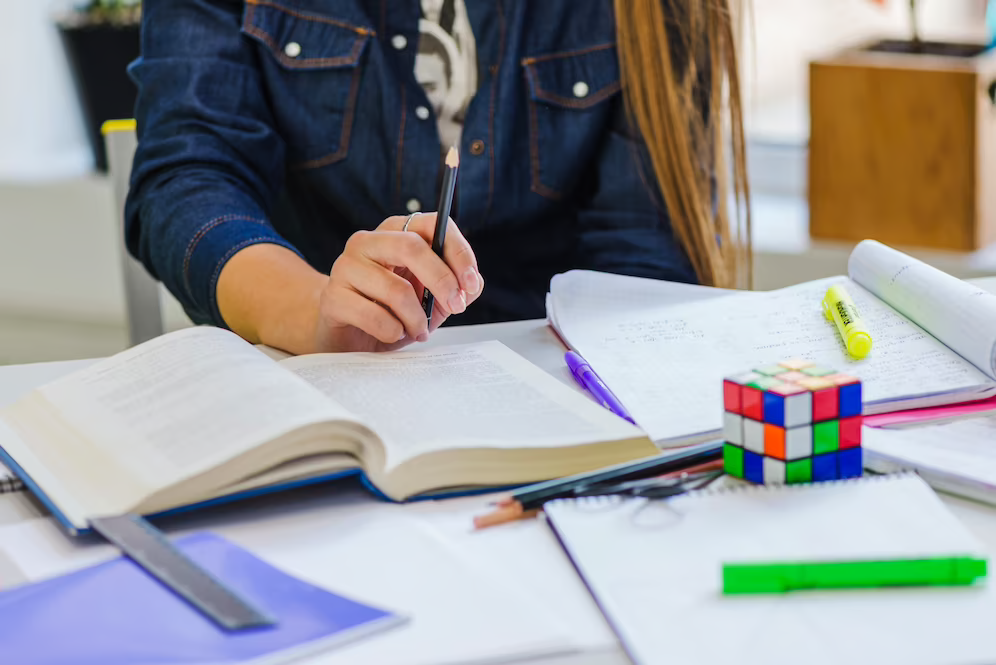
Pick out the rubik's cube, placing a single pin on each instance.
(794, 422)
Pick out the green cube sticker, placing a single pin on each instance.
(826, 437)
(765, 383)
(818, 371)
(799, 471)
(733, 460)
(772, 370)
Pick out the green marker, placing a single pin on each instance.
(801, 576)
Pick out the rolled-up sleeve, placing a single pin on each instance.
(209, 162)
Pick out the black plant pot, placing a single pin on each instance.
(98, 57)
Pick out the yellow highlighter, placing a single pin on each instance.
(839, 308)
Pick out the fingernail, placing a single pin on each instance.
(457, 302)
(471, 281)
(423, 337)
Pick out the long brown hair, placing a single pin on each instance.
(681, 83)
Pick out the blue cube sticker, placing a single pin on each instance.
(825, 467)
(850, 463)
(754, 467)
(774, 409)
(849, 402)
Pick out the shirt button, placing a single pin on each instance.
(292, 50)
(413, 205)
(399, 42)
(580, 89)
(422, 112)
(477, 147)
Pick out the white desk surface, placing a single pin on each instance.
(532, 339)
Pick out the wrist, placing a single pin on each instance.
(270, 295)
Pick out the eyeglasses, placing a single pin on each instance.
(652, 488)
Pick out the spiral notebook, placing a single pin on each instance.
(654, 569)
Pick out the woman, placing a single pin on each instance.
(286, 147)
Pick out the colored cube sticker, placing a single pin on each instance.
(733, 460)
(792, 422)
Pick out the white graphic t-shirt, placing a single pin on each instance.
(446, 64)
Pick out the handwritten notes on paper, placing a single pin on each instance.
(666, 363)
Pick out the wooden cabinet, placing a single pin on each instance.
(903, 149)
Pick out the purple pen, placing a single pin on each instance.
(593, 384)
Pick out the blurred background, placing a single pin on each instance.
(61, 292)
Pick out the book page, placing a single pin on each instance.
(666, 364)
(465, 396)
(959, 314)
(165, 410)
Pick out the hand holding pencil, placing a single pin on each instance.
(394, 285)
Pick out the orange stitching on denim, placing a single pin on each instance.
(574, 103)
(565, 54)
(344, 136)
(491, 112)
(308, 63)
(534, 158)
(401, 148)
(203, 231)
(312, 17)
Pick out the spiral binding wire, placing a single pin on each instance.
(610, 500)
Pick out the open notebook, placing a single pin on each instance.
(655, 571)
(664, 349)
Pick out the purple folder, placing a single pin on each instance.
(116, 614)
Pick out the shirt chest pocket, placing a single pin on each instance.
(311, 67)
(569, 113)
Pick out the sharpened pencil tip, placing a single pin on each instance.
(452, 158)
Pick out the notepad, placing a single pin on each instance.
(115, 614)
(665, 350)
(655, 570)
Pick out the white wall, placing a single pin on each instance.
(41, 129)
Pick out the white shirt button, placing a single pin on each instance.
(399, 42)
(292, 50)
(413, 205)
(580, 89)
(422, 112)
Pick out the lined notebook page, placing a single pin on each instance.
(656, 572)
(959, 314)
(666, 362)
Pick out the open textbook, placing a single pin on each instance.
(664, 349)
(200, 414)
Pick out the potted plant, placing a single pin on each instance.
(101, 37)
(916, 45)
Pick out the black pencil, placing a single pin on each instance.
(442, 218)
(534, 496)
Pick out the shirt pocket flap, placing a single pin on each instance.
(303, 40)
(574, 79)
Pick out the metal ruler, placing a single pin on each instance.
(150, 549)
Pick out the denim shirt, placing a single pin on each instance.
(243, 141)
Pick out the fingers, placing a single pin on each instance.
(392, 291)
(457, 252)
(411, 251)
(353, 309)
